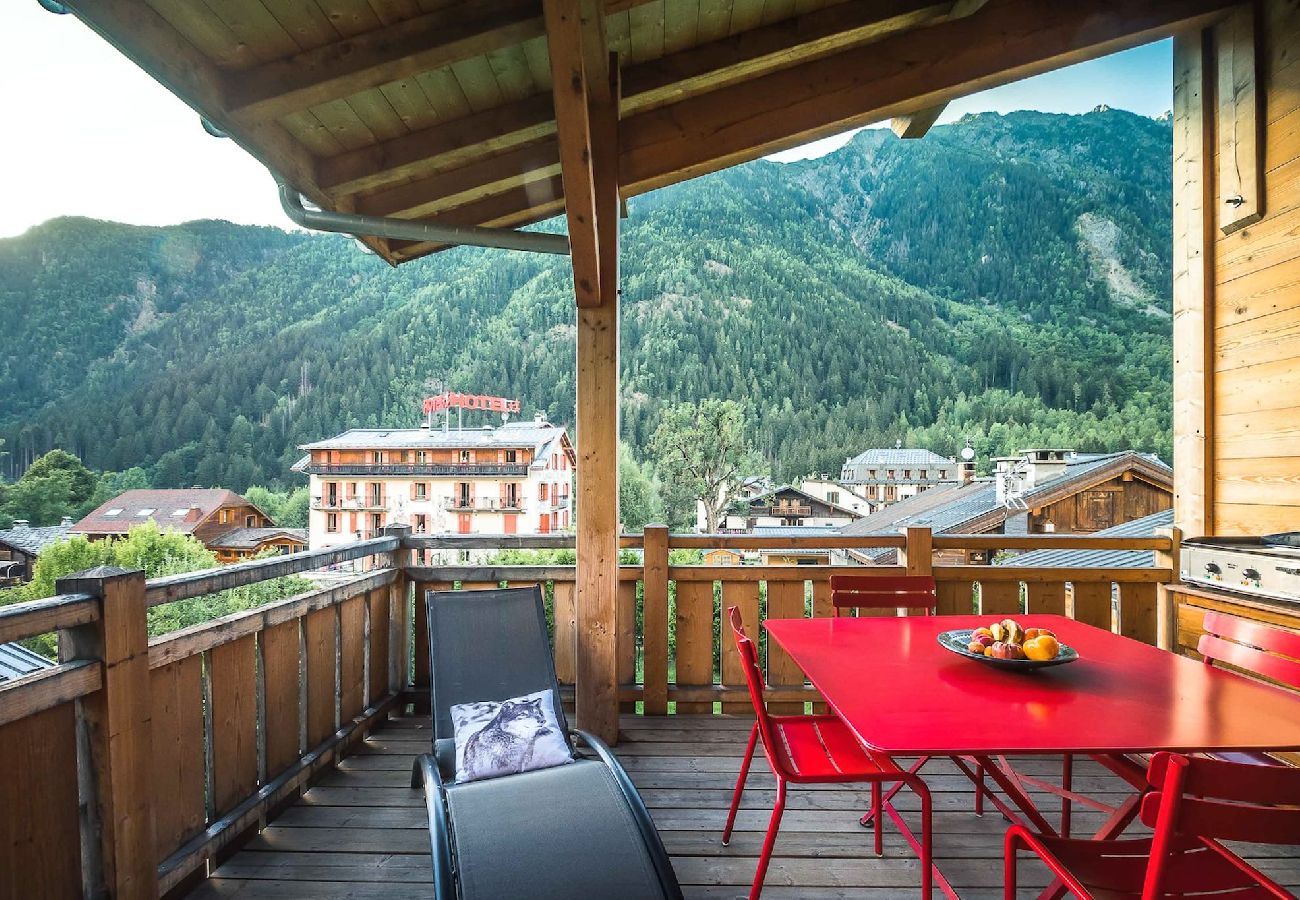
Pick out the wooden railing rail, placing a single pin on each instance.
(133, 763)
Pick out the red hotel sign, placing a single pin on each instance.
(452, 400)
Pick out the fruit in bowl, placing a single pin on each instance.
(1008, 640)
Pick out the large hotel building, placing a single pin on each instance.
(513, 479)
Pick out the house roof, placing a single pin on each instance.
(32, 541)
(759, 499)
(17, 661)
(973, 507)
(170, 508)
(900, 456)
(1106, 559)
(252, 538)
(540, 438)
(449, 113)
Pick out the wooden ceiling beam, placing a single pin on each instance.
(575, 35)
(438, 151)
(1007, 41)
(153, 44)
(402, 50)
(917, 124)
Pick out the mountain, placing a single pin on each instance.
(1006, 280)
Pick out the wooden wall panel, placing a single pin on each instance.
(695, 639)
(233, 674)
(281, 661)
(1090, 602)
(955, 598)
(40, 846)
(352, 657)
(1255, 310)
(785, 600)
(744, 596)
(625, 617)
(321, 673)
(565, 632)
(1000, 598)
(380, 643)
(1047, 597)
(178, 764)
(1137, 612)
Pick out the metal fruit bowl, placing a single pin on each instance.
(957, 640)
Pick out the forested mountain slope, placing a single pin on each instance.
(1006, 279)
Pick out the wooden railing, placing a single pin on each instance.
(134, 764)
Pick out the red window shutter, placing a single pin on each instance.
(541, 491)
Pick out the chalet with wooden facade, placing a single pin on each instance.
(223, 521)
(21, 544)
(788, 507)
(1035, 492)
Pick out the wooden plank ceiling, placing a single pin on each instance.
(442, 110)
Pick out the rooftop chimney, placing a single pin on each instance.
(21, 524)
(1042, 465)
(539, 418)
(66, 521)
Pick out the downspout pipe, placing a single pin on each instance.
(408, 230)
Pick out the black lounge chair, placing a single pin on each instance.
(577, 830)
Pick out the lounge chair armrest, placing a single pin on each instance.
(654, 844)
(425, 772)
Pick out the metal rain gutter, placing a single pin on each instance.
(409, 230)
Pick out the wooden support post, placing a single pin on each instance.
(585, 90)
(1238, 122)
(1166, 602)
(1193, 287)
(401, 637)
(117, 728)
(654, 615)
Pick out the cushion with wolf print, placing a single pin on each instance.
(516, 735)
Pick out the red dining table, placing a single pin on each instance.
(902, 693)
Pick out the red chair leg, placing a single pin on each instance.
(916, 767)
(927, 841)
(769, 841)
(1009, 867)
(979, 789)
(878, 815)
(740, 784)
(1067, 781)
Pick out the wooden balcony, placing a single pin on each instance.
(266, 754)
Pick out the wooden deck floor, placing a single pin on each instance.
(361, 832)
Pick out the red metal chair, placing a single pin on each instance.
(1256, 649)
(883, 592)
(819, 749)
(1194, 803)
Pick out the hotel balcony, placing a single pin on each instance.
(483, 504)
(449, 470)
(336, 504)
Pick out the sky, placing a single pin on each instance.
(89, 134)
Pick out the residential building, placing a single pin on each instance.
(513, 479)
(226, 523)
(1035, 492)
(884, 476)
(837, 493)
(20, 545)
(788, 506)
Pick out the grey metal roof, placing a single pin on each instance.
(1105, 559)
(899, 456)
(252, 538)
(512, 434)
(955, 507)
(793, 530)
(17, 661)
(32, 540)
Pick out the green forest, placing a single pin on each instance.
(1006, 280)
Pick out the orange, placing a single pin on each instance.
(1043, 647)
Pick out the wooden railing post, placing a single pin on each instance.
(918, 556)
(1166, 601)
(399, 663)
(654, 615)
(117, 728)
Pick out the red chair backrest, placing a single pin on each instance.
(1271, 652)
(1211, 798)
(748, 651)
(882, 592)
